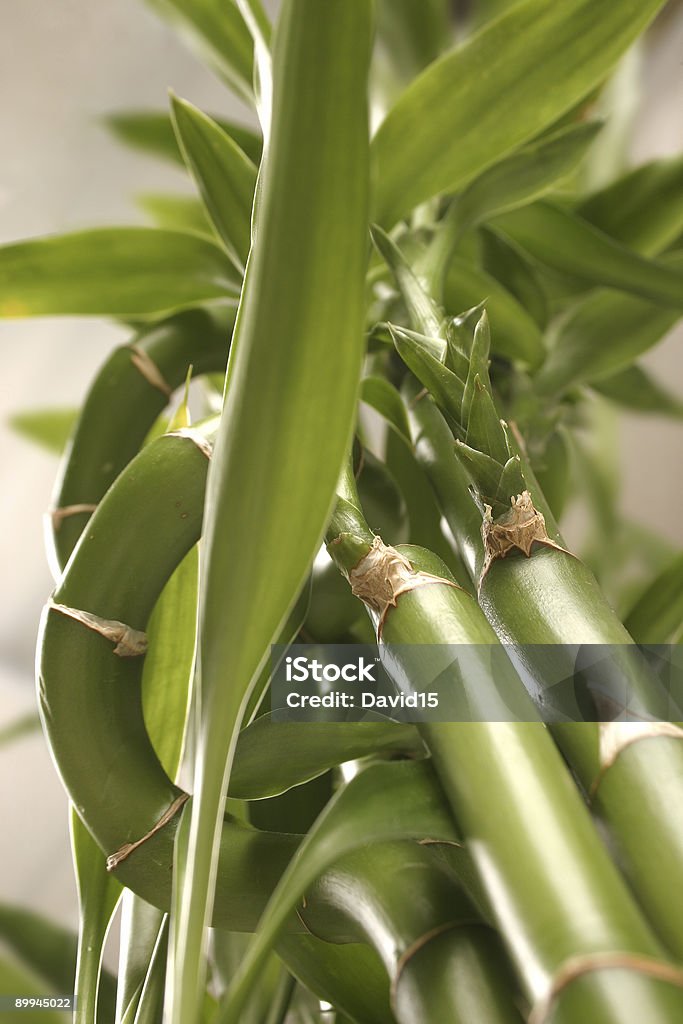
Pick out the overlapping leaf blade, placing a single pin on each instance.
(216, 30)
(393, 801)
(290, 399)
(112, 272)
(151, 131)
(499, 89)
(226, 178)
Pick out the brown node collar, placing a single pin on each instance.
(383, 575)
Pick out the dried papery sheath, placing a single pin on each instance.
(143, 362)
(197, 438)
(516, 530)
(130, 643)
(382, 576)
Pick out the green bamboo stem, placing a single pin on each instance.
(553, 599)
(435, 934)
(122, 405)
(553, 890)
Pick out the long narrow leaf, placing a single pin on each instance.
(112, 272)
(636, 389)
(290, 397)
(603, 334)
(397, 801)
(225, 176)
(98, 894)
(151, 131)
(566, 242)
(657, 615)
(643, 209)
(49, 428)
(501, 88)
(216, 30)
(273, 756)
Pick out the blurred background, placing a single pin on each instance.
(62, 66)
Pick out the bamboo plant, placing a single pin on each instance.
(385, 331)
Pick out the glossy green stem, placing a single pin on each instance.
(553, 599)
(552, 887)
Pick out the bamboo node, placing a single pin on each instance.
(577, 966)
(383, 575)
(196, 437)
(114, 859)
(59, 514)
(518, 529)
(130, 643)
(616, 736)
(144, 363)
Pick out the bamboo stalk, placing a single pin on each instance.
(553, 890)
(546, 604)
(553, 599)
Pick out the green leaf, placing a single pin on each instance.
(657, 615)
(422, 308)
(141, 924)
(524, 176)
(49, 428)
(44, 947)
(566, 243)
(643, 209)
(226, 178)
(176, 212)
(152, 132)
(500, 88)
(291, 392)
(484, 430)
(393, 801)
(636, 389)
(98, 894)
(385, 399)
(22, 726)
(440, 381)
(510, 268)
(112, 272)
(350, 976)
(216, 31)
(297, 752)
(169, 662)
(513, 332)
(603, 334)
(414, 32)
(16, 980)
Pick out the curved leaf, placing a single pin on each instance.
(226, 178)
(49, 428)
(496, 91)
(112, 272)
(297, 752)
(98, 894)
(603, 334)
(393, 801)
(175, 212)
(643, 209)
(151, 131)
(565, 242)
(216, 30)
(289, 411)
(385, 399)
(636, 389)
(657, 615)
